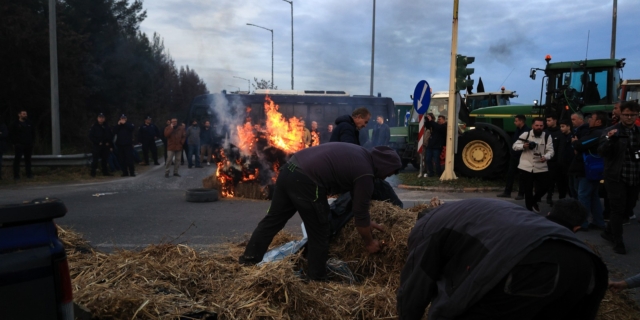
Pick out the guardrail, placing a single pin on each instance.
(81, 159)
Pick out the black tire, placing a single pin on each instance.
(201, 195)
(488, 165)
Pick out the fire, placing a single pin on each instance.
(259, 151)
(226, 181)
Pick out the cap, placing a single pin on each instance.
(148, 118)
(123, 116)
(100, 115)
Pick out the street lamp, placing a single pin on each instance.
(270, 30)
(373, 44)
(291, 3)
(248, 83)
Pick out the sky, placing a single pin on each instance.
(332, 41)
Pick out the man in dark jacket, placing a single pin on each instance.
(553, 130)
(206, 143)
(124, 144)
(580, 129)
(588, 189)
(100, 137)
(514, 159)
(22, 134)
(348, 126)
(303, 185)
(4, 134)
(147, 136)
(326, 135)
(535, 269)
(381, 133)
(437, 140)
(620, 147)
(565, 155)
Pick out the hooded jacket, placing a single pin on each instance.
(345, 167)
(345, 131)
(456, 256)
(528, 158)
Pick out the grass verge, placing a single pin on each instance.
(411, 179)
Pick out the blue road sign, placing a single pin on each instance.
(422, 97)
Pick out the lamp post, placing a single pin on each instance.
(270, 30)
(53, 61)
(248, 83)
(291, 3)
(373, 45)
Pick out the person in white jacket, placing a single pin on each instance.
(537, 148)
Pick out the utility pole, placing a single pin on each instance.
(614, 22)
(291, 3)
(53, 66)
(373, 45)
(452, 121)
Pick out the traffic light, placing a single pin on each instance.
(462, 72)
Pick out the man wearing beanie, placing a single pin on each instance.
(303, 185)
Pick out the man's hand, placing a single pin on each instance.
(543, 159)
(525, 145)
(373, 246)
(611, 133)
(616, 286)
(574, 139)
(377, 227)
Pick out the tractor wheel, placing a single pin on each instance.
(482, 154)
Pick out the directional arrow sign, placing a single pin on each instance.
(422, 97)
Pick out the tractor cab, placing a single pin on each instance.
(475, 101)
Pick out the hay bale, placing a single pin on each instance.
(166, 281)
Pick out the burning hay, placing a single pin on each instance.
(170, 281)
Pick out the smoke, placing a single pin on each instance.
(228, 115)
(503, 49)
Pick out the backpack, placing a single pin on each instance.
(593, 166)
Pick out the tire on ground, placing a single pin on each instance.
(201, 195)
(481, 162)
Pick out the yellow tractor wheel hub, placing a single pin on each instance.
(477, 155)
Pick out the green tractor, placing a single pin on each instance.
(576, 86)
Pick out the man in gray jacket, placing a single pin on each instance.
(491, 259)
(193, 143)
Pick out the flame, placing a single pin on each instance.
(225, 180)
(282, 134)
(278, 132)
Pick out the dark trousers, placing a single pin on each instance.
(294, 191)
(146, 146)
(539, 181)
(99, 153)
(125, 157)
(433, 157)
(622, 199)
(558, 178)
(556, 280)
(20, 151)
(511, 176)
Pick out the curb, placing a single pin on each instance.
(445, 189)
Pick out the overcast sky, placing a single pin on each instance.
(332, 41)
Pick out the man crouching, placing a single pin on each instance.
(303, 185)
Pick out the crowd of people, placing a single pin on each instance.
(585, 158)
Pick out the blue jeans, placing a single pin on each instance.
(588, 196)
(433, 155)
(194, 151)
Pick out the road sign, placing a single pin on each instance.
(422, 97)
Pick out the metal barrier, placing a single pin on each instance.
(81, 159)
